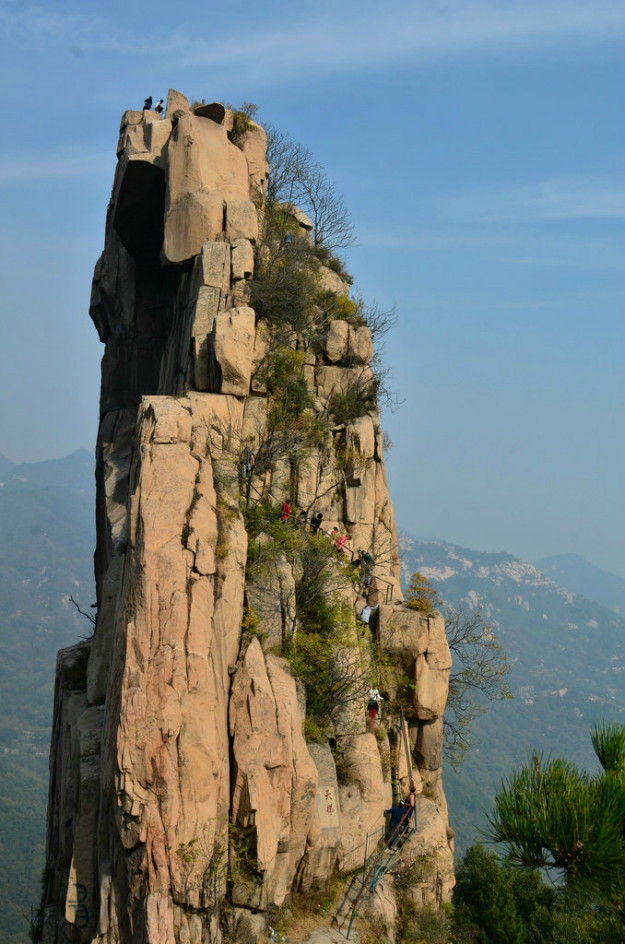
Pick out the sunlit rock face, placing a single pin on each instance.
(185, 802)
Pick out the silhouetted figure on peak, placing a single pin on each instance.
(147, 105)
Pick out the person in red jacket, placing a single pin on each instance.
(286, 512)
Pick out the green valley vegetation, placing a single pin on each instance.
(565, 655)
(551, 817)
(497, 903)
(46, 553)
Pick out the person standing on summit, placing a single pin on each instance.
(147, 105)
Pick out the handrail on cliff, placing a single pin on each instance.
(380, 861)
(388, 597)
(334, 306)
(377, 865)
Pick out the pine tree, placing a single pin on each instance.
(551, 815)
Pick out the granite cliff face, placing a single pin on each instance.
(185, 802)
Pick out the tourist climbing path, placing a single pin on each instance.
(376, 865)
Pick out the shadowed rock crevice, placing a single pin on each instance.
(140, 209)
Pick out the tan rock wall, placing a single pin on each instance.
(178, 757)
(275, 779)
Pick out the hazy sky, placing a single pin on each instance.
(480, 147)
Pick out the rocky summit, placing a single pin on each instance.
(214, 751)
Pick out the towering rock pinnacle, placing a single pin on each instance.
(186, 803)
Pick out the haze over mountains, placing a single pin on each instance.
(568, 654)
(574, 573)
(46, 554)
(568, 664)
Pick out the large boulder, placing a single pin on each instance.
(254, 145)
(360, 345)
(195, 219)
(430, 856)
(429, 746)
(364, 795)
(275, 779)
(417, 645)
(234, 349)
(242, 259)
(331, 281)
(212, 266)
(177, 104)
(203, 160)
(324, 836)
(241, 220)
(335, 341)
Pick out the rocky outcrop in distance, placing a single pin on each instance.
(188, 798)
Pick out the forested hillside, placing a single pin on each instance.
(46, 554)
(568, 660)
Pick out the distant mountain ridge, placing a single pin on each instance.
(568, 655)
(47, 538)
(580, 576)
(74, 472)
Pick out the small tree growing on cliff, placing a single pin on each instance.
(421, 595)
(482, 672)
(296, 178)
(483, 665)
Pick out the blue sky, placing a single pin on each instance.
(479, 145)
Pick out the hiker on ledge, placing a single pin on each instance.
(315, 522)
(147, 105)
(374, 705)
(247, 462)
(286, 512)
(159, 108)
(399, 817)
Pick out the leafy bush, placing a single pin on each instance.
(313, 733)
(358, 399)
(494, 902)
(335, 667)
(286, 278)
(285, 381)
(242, 120)
(338, 266)
(293, 428)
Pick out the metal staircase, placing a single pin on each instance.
(384, 857)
